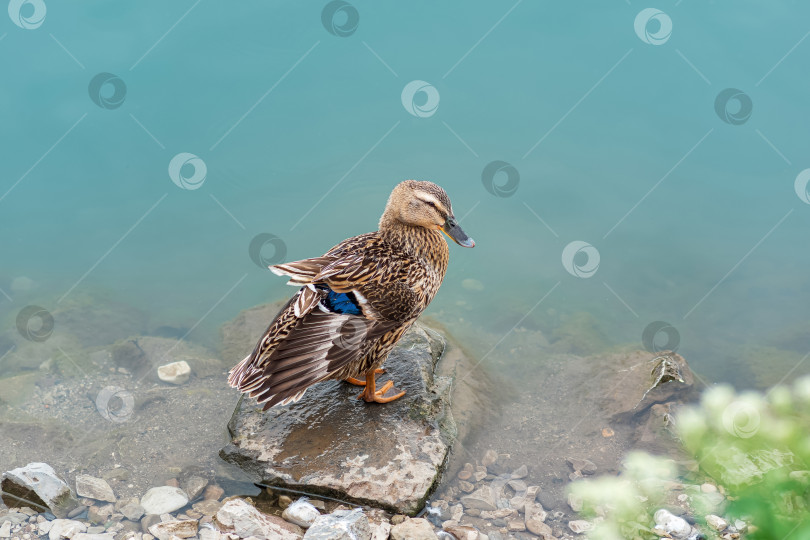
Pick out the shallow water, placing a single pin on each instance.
(611, 136)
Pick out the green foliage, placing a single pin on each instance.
(755, 445)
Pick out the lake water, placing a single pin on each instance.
(616, 163)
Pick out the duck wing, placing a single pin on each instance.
(316, 334)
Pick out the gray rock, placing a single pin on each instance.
(340, 525)
(94, 488)
(244, 520)
(413, 529)
(675, 526)
(481, 499)
(133, 510)
(5, 529)
(38, 486)
(580, 526)
(301, 512)
(194, 486)
(581, 465)
(65, 528)
(148, 520)
(163, 499)
(324, 441)
(716, 522)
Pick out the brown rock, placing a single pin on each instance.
(213, 492)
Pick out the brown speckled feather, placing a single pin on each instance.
(394, 273)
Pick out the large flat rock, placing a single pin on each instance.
(387, 455)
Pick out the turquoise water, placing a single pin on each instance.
(613, 131)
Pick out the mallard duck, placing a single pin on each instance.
(355, 302)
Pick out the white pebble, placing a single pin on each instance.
(301, 512)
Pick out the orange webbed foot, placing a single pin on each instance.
(359, 382)
(371, 395)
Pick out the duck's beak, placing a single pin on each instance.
(453, 230)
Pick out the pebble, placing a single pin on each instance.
(207, 507)
(207, 533)
(65, 528)
(284, 501)
(480, 475)
(537, 527)
(579, 526)
(515, 525)
(175, 372)
(213, 492)
(133, 510)
(76, 511)
(5, 529)
(159, 500)
(490, 457)
(673, 525)
(148, 520)
(581, 465)
(99, 514)
(466, 487)
(194, 486)
(165, 530)
(413, 529)
(708, 488)
(342, 525)
(301, 512)
(716, 522)
(44, 527)
(464, 474)
(480, 499)
(575, 502)
(94, 488)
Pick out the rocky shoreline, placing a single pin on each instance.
(126, 419)
(488, 502)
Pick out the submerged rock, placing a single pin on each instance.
(37, 485)
(94, 488)
(386, 455)
(163, 499)
(174, 372)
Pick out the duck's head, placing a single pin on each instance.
(424, 204)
